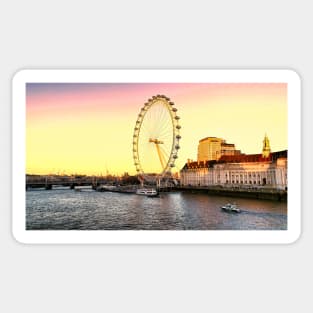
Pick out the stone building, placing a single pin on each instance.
(267, 170)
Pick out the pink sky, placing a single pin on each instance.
(103, 114)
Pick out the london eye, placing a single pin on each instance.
(156, 139)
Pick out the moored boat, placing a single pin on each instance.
(150, 192)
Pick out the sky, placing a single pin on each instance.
(87, 128)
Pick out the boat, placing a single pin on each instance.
(232, 208)
(150, 192)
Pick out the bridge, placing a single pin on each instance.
(49, 181)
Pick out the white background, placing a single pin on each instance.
(160, 34)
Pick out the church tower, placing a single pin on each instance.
(266, 147)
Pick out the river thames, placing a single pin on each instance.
(91, 210)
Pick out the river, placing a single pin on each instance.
(65, 209)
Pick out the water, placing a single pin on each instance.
(90, 210)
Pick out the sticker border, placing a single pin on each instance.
(150, 236)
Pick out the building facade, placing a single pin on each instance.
(244, 171)
(219, 164)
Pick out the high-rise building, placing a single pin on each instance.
(213, 148)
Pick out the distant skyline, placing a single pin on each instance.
(87, 128)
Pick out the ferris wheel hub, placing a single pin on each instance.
(156, 141)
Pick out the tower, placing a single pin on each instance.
(266, 147)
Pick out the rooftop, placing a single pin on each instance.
(241, 158)
(206, 138)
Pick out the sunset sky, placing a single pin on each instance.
(86, 128)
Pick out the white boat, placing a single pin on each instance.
(150, 192)
(230, 208)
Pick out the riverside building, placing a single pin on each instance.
(267, 170)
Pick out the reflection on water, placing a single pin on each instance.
(89, 210)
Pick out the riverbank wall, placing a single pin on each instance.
(265, 194)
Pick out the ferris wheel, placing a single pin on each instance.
(156, 139)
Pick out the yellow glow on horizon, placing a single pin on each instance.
(91, 147)
(94, 140)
